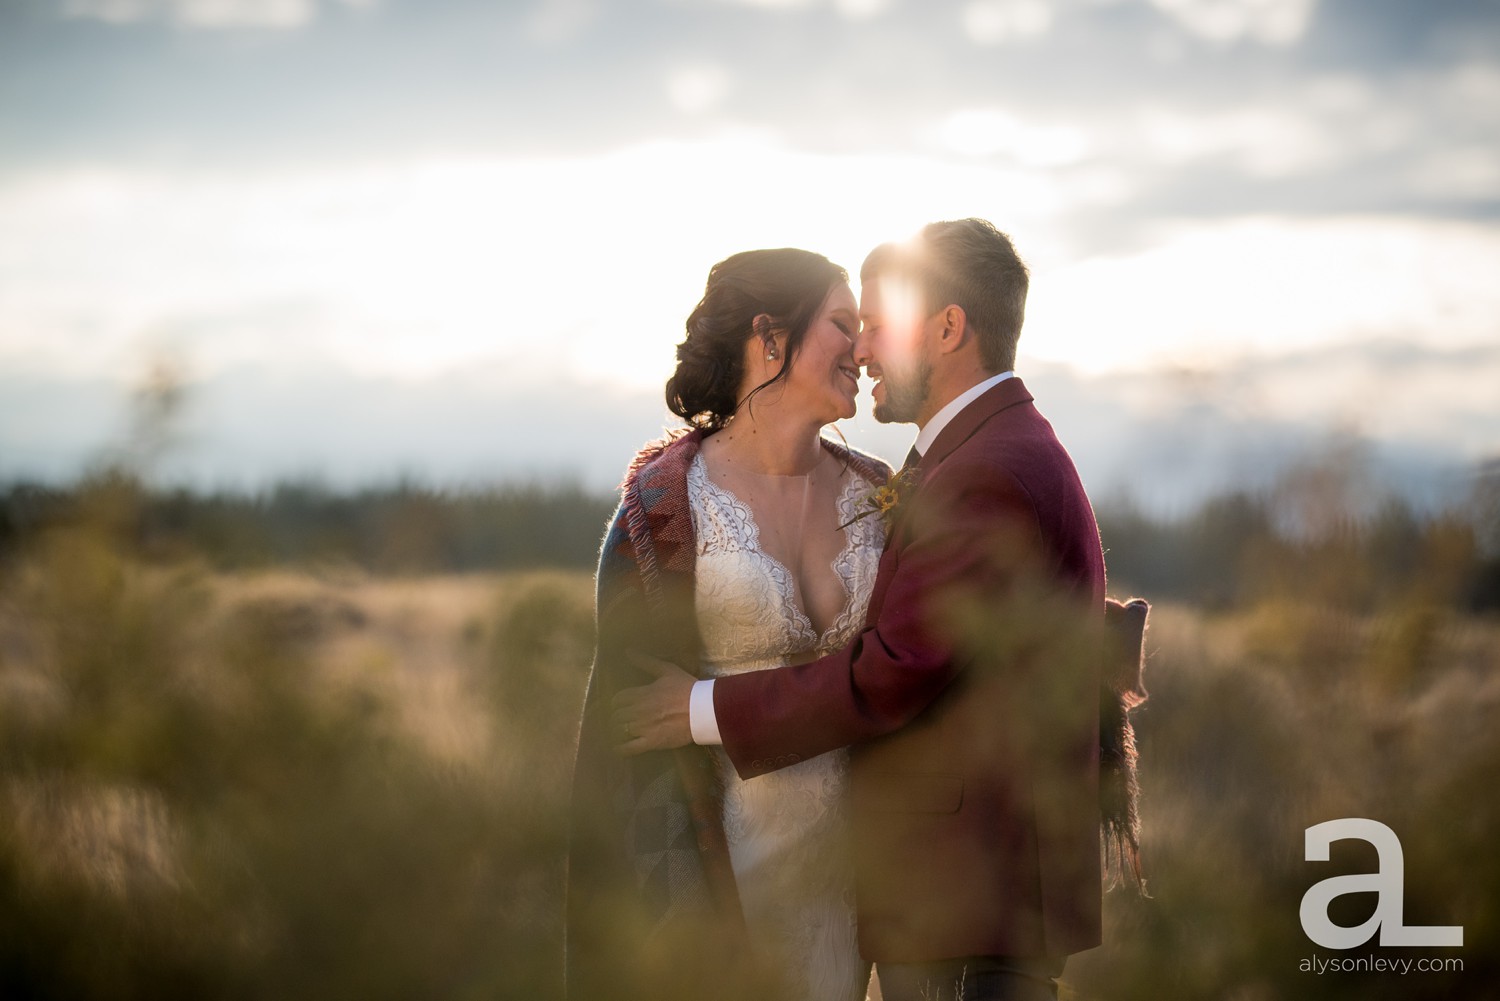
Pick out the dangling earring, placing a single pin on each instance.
(771, 355)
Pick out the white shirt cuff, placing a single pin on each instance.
(701, 718)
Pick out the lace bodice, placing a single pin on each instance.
(786, 829)
(746, 600)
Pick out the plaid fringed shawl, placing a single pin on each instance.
(648, 830)
(1122, 690)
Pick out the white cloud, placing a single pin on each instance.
(990, 131)
(1475, 84)
(205, 14)
(1427, 134)
(1266, 140)
(556, 21)
(854, 10)
(994, 22)
(577, 272)
(1324, 124)
(698, 88)
(1445, 398)
(861, 10)
(411, 268)
(1469, 172)
(246, 13)
(770, 4)
(592, 262)
(113, 11)
(1273, 22)
(1268, 286)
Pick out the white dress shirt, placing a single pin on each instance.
(701, 717)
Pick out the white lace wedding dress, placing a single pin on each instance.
(786, 829)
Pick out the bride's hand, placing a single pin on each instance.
(655, 716)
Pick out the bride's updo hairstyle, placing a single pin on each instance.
(788, 285)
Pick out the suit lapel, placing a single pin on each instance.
(1010, 393)
(960, 429)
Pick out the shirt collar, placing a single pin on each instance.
(929, 431)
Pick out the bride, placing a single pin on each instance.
(738, 545)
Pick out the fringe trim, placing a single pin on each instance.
(1119, 784)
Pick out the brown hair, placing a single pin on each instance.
(966, 263)
(788, 285)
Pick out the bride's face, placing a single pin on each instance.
(824, 378)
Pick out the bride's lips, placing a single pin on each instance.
(852, 373)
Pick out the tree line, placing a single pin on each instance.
(1365, 554)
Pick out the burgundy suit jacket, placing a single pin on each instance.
(970, 700)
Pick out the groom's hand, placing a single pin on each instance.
(653, 717)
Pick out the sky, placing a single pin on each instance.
(456, 240)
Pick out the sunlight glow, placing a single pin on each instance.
(1210, 293)
(990, 131)
(589, 265)
(901, 316)
(697, 88)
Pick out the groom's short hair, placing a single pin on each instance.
(966, 263)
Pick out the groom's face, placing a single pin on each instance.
(892, 346)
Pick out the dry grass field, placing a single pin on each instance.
(281, 785)
(325, 783)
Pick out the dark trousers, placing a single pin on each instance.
(975, 978)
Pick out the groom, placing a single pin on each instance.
(970, 699)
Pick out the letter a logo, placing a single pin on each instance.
(1388, 884)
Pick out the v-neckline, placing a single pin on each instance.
(786, 582)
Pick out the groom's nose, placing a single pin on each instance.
(862, 353)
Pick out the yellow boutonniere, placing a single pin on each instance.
(886, 499)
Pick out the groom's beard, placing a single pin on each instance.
(905, 394)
